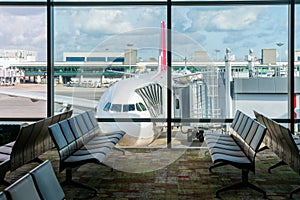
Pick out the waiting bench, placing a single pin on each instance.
(32, 141)
(39, 184)
(79, 141)
(283, 143)
(237, 148)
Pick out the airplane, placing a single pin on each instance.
(141, 96)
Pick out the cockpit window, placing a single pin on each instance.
(124, 107)
(128, 107)
(107, 106)
(116, 107)
(140, 107)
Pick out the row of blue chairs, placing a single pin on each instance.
(238, 148)
(39, 184)
(32, 141)
(79, 140)
(283, 143)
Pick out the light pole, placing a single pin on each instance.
(130, 45)
(106, 50)
(279, 44)
(229, 57)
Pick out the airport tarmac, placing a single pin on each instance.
(14, 106)
(79, 92)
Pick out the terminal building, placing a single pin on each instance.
(101, 69)
(20, 66)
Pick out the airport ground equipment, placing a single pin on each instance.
(283, 143)
(32, 141)
(39, 184)
(237, 148)
(79, 141)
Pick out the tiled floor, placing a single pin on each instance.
(170, 174)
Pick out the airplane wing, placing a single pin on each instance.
(185, 78)
(35, 96)
(186, 75)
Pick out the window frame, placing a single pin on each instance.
(51, 4)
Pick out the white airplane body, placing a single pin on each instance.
(121, 100)
(145, 95)
(136, 97)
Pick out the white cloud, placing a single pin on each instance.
(102, 21)
(23, 28)
(89, 28)
(115, 20)
(86, 28)
(236, 18)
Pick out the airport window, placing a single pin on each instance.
(222, 38)
(95, 59)
(23, 46)
(112, 59)
(206, 39)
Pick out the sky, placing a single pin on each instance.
(113, 28)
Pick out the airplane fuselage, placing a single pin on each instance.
(121, 101)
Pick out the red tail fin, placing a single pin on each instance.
(162, 58)
(163, 51)
(295, 105)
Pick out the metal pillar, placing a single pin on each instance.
(291, 63)
(228, 79)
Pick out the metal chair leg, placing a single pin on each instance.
(293, 192)
(70, 181)
(276, 165)
(244, 183)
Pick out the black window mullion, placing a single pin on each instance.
(169, 75)
(50, 60)
(291, 64)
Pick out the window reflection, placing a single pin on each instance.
(223, 43)
(23, 62)
(95, 47)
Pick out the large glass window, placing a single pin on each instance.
(112, 58)
(240, 39)
(126, 83)
(23, 58)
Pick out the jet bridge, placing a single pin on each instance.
(200, 99)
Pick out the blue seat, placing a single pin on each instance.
(24, 188)
(46, 182)
(3, 196)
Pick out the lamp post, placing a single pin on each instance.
(106, 56)
(229, 57)
(130, 49)
(279, 44)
